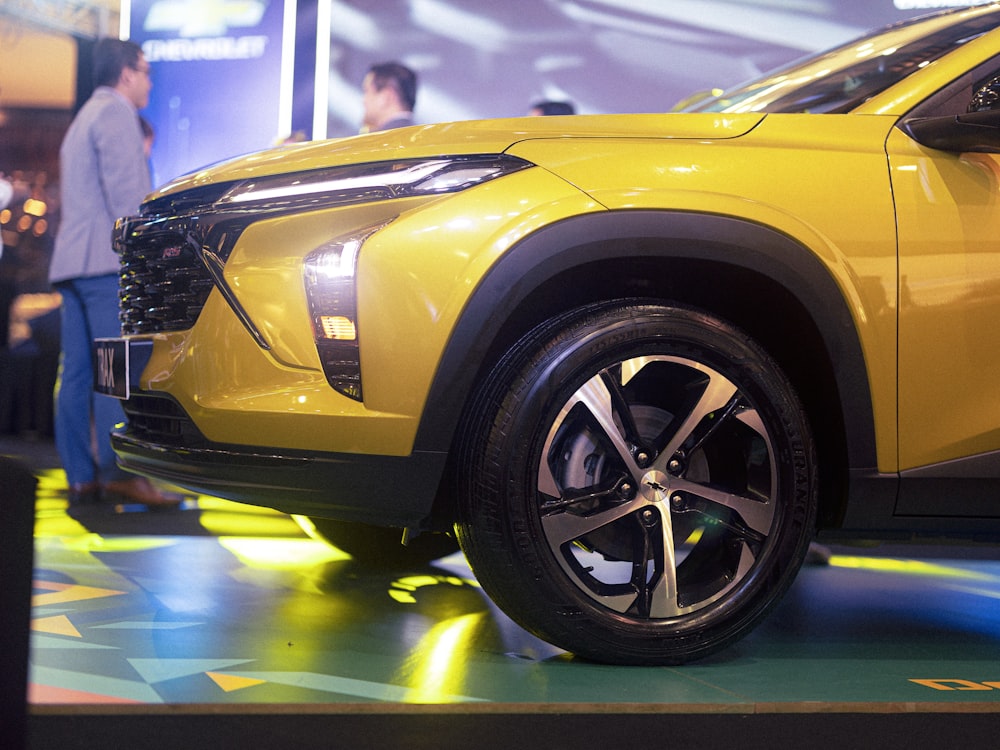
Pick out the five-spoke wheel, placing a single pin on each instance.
(638, 485)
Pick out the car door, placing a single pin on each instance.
(948, 219)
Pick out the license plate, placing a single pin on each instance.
(118, 365)
(111, 367)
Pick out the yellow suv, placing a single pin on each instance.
(634, 364)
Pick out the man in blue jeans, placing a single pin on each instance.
(104, 175)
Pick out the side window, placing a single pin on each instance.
(954, 98)
(987, 95)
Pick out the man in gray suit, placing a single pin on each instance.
(104, 175)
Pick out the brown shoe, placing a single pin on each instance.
(84, 493)
(138, 490)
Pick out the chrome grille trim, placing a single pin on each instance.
(163, 282)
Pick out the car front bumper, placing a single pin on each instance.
(381, 490)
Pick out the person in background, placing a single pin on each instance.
(148, 136)
(8, 290)
(6, 193)
(389, 94)
(104, 176)
(546, 108)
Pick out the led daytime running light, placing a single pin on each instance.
(329, 276)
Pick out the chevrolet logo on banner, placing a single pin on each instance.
(198, 30)
(203, 18)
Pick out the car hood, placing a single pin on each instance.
(457, 138)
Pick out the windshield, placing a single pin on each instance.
(840, 79)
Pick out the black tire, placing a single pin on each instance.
(378, 546)
(637, 484)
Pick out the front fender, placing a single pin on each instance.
(630, 236)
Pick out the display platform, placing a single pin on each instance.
(220, 623)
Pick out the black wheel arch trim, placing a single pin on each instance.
(580, 240)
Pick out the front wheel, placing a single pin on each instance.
(637, 484)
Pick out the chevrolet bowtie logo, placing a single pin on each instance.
(657, 486)
(203, 18)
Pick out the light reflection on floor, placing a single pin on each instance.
(225, 603)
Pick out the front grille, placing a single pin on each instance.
(164, 283)
(158, 419)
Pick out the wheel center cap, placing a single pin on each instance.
(655, 486)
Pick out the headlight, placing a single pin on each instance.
(363, 183)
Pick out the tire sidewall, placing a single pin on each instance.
(529, 392)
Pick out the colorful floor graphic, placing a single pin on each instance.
(222, 603)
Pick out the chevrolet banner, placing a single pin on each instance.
(221, 74)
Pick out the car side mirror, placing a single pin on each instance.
(973, 131)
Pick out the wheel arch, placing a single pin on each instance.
(762, 280)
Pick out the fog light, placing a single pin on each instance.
(330, 287)
(338, 327)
